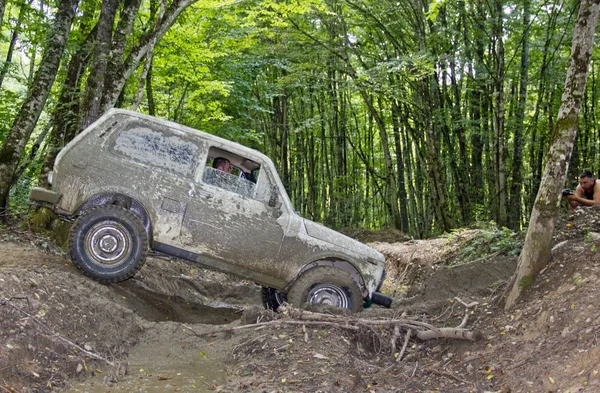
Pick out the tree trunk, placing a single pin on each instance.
(516, 188)
(150, 92)
(2, 8)
(390, 177)
(477, 99)
(147, 72)
(13, 41)
(402, 196)
(18, 136)
(95, 83)
(499, 71)
(536, 250)
(119, 71)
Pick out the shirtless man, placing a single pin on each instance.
(587, 192)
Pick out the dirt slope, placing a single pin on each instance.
(175, 327)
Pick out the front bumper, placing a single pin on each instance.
(43, 196)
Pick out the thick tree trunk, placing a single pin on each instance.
(536, 250)
(14, 144)
(537, 142)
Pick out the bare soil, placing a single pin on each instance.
(176, 327)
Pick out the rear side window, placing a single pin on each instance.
(158, 148)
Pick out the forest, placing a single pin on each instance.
(418, 115)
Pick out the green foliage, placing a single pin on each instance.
(487, 239)
(434, 9)
(19, 195)
(312, 84)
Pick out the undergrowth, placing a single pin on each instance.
(484, 240)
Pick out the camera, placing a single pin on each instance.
(567, 191)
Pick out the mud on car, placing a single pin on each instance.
(133, 183)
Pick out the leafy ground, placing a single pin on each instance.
(178, 328)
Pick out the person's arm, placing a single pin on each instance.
(578, 199)
(573, 198)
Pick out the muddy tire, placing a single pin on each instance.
(272, 298)
(108, 243)
(327, 286)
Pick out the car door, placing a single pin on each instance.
(235, 226)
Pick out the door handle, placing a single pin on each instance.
(205, 194)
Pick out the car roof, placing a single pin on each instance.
(221, 145)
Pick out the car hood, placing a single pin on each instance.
(328, 235)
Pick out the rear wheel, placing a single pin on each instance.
(325, 285)
(108, 243)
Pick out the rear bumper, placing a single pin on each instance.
(43, 196)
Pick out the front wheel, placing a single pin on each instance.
(108, 243)
(327, 286)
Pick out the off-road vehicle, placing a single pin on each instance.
(132, 182)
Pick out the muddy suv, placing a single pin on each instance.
(132, 183)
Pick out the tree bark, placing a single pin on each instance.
(2, 8)
(147, 72)
(120, 71)
(536, 250)
(516, 191)
(13, 146)
(499, 74)
(402, 195)
(13, 42)
(95, 83)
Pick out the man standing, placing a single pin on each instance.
(587, 192)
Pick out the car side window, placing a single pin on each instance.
(231, 172)
(156, 148)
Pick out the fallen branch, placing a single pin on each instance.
(406, 339)
(453, 333)
(467, 305)
(52, 333)
(424, 330)
(464, 321)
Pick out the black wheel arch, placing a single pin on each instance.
(337, 263)
(122, 200)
